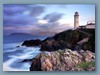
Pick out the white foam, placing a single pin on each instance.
(9, 50)
(6, 66)
(27, 52)
(20, 57)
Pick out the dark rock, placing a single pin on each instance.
(52, 45)
(36, 42)
(36, 64)
(27, 60)
(72, 39)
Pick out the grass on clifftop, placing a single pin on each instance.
(87, 65)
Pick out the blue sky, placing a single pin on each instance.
(44, 19)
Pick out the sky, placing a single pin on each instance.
(44, 19)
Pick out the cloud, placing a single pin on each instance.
(13, 9)
(21, 14)
(53, 17)
(39, 29)
(37, 10)
(23, 18)
(49, 29)
(18, 20)
(42, 22)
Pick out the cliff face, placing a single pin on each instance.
(73, 39)
(64, 60)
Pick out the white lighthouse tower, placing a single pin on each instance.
(76, 20)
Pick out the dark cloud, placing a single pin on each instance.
(53, 17)
(48, 26)
(13, 9)
(13, 14)
(37, 10)
(18, 20)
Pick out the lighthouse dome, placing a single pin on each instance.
(76, 13)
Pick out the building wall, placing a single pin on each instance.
(90, 26)
(76, 21)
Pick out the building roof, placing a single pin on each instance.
(91, 24)
(76, 13)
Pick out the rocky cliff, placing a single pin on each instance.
(64, 60)
(71, 50)
(72, 39)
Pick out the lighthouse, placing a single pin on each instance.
(76, 20)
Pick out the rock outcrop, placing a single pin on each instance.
(52, 45)
(36, 42)
(72, 39)
(64, 60)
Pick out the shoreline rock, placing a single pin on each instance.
(33, 43)
(64, 60)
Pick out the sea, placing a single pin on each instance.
(13, 55)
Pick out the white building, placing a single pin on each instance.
(88, 26)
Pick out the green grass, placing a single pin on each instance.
(87, 65)
(61, 52)
(43, 55)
